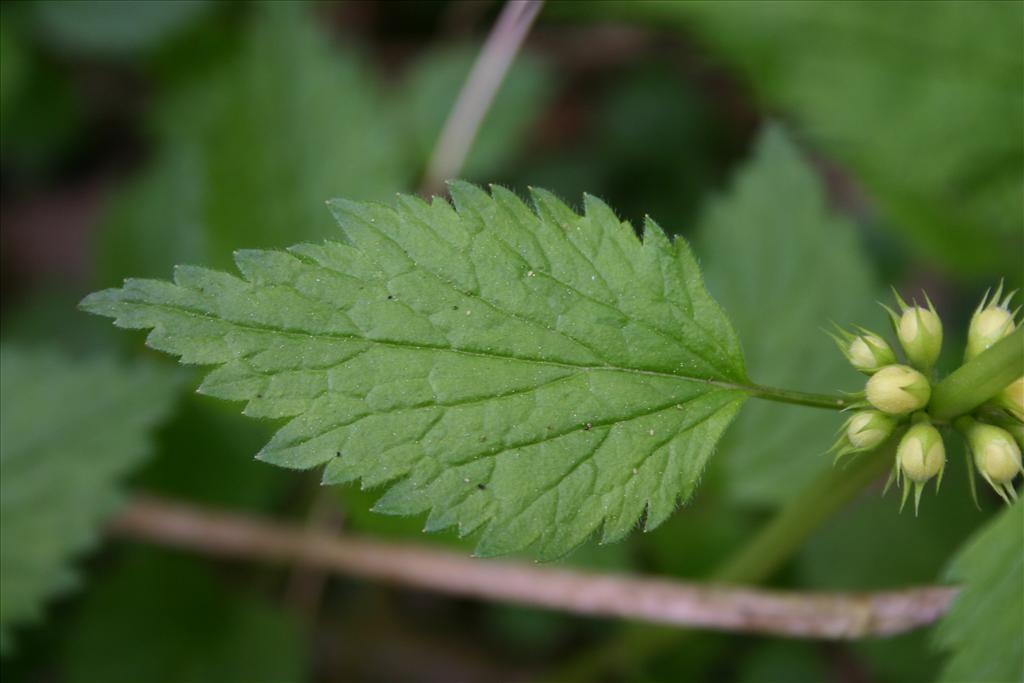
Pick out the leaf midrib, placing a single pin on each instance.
(427, 347)
(494, 306)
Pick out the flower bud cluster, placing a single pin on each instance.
(897, 394)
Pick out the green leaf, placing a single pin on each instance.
(71, 431)
(983, 628)
(784, 265)
(249, 153)
(532, 375)
(922, 100)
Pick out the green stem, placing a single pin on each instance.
(979, 379)
(758, 559)
(961, 392)
(800, 398)
(755, 562)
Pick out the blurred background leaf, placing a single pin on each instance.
(646, 140)
(71, 431)
(205, 628)
(784, 265)
(247, 157)
(111, 27)
(923, 102)
(982, 630)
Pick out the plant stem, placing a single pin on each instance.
(803, 515)
(788, 613)
(753, 563)
(979, 379)
(477, 95)
(958, 394)
(800, 398)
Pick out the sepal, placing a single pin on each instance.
(865, 430)
(920, 457)
(867, 352)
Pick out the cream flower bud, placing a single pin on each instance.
(920, 456)
(921, 453)
(920, 333)
(868, 429)
(898, 389)
(992, 321)
(869, 353)
(1012, 399)
(996, 456)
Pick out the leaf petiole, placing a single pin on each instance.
(979, 379)
(800, 398)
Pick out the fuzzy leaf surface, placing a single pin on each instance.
(532, 374)
(71, 429)
(983, 628)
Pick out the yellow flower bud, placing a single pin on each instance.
(992, 321)
(898, 389)
(920, 456)
(996, 456)
(1000, 460)
(921, 453)
(868, 429)
(920, 333)
(869, 353)
(1012, 399)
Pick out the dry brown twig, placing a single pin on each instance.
(725, 608)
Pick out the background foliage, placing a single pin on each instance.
(134, 136)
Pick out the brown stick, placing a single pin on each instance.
(724, 608)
